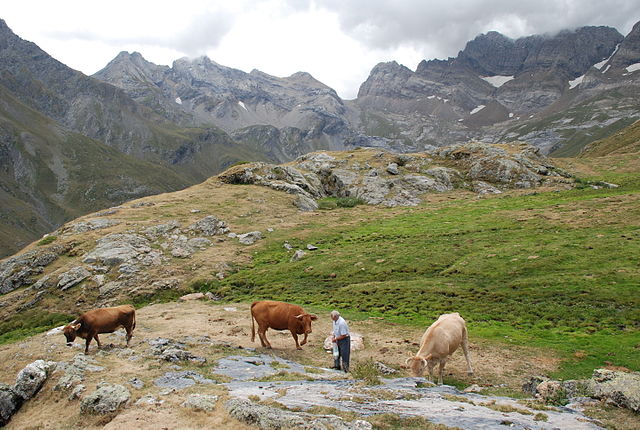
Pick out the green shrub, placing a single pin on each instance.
(47, 240)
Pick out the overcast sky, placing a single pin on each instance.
(337, 41)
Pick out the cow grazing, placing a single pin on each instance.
(441, 340)
(104, 320)
(280, 316)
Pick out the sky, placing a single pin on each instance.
(337, 41)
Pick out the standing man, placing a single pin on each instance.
(341, 337)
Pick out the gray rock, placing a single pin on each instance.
(202, 402)
(149, 400)
(75, 370)
(392, 169)
(287, 246)
(298, 255)
(250, 238)
(77, 392)
(181, 379)
(32, 378)
(117, 248)
(10, 402)
(109, 288)
(619, 388)
(266, 417)
(180, 252)
(93, 224)
(136, 383)
(311, 247)
(384, 369)
(158, 230)
(209, 226)
(72, 277)
(106, 399)
(199, 243)
(305, 203)
(482, 187)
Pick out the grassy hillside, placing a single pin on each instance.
(551, 269)
(624, 142)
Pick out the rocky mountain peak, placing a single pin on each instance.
(628, 52)
(384, 79)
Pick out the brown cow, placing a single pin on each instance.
(280, 316)
(441, 340)
(104, 320)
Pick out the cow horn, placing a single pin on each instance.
(424, 362)
(408, 360)
(299, 316)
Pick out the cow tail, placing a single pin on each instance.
(134, 321)
(253, 327)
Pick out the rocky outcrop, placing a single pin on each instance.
(267, 417)
(200, 402)
(388, 179)
(620, 389)
(18, 271)
(28, 382)
(106, 399)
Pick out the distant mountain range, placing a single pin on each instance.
(71, 143)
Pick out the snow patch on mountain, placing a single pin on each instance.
(497, 80)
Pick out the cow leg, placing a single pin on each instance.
(430, 367)
(465, 349)
(129, 335)
(441, 371)
(97, 340)
(262, 333)
(87, 342)
(295, 337)
(304, 340)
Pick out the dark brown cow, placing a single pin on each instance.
(105, 320)
(280, 316)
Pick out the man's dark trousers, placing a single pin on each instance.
(344, 351)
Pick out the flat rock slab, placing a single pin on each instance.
(182, 379)
(403, 396)
(243, 368)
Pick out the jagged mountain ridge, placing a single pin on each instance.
(71, 144)
(493, 85)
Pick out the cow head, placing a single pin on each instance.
(70, 332)
(417, 365)
(304, 323)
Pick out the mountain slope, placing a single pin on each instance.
(49, 175)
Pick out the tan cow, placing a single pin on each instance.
(104, 320)
(280, 316)
(441, 340)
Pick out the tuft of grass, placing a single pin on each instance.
(367, 371)
(47, 240)
(396, 422)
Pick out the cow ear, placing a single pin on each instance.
(76, 326)
(313, 317)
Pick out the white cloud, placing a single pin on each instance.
(337, 41)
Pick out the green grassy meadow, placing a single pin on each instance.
(555, 270)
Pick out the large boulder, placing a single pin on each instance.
(10, 402)
(32, 377)
(618, 388)
(106, 399)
